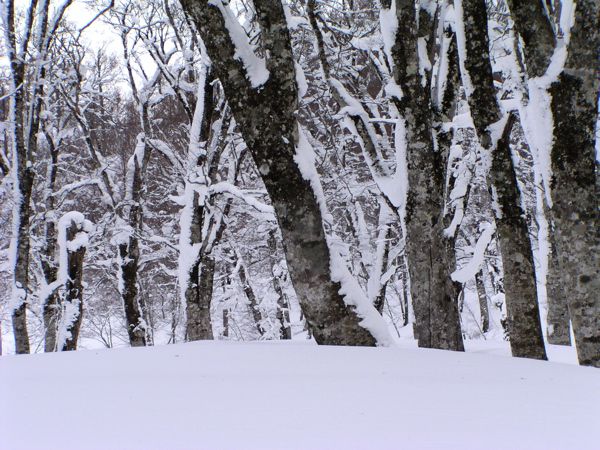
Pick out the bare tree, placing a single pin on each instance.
(263, 96)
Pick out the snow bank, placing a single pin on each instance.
(293, 396)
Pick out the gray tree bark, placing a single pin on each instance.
(524, 325)
(266, 117)
(576, 180)
(575, 185)
(434, 294)
(559, 320)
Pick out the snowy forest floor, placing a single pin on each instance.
(296, 395)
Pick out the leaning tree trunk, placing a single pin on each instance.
(526, 338)
(524, 325)
(253, 306)
(575, 183)
(265, 111)
(434, 294)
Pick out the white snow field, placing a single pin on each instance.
(220, 395)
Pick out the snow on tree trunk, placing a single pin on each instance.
(524, 324)
(23, 175)
(196, 268)
(532, 24)
(575, 181)
(283, 306)
(263, 96)
(434, 294)
(73, 238)
(128, 244)
(50, 308)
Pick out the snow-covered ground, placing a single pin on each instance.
(221, 395)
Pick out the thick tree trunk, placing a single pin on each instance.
(532, 24)
(199, 299)
(575, 183)
(434, 294)
(266, 117)
(129, 256)
(559, 320)
(524, 324)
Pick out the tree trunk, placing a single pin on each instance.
(250, 295)
(51, 305)
(524, 324)
(225, 322)
(22, 187)
(73, 290)
(129, 249)
(267, 121)
(483, 302)
(559, 325)
(434, 294)
(129, 255)
(283, 307)
(532, 24)
(575, 183)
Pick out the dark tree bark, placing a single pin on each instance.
(559, 320)
(199, 291)
(534, 27)
(283, 307)
(49, 266)
(575, 186)
(430, 256)
(524, 324)
(22, 187)
(483, 302)
(250, 295)
(74, 288)
(129, 251)
(267, 121)
(576, 183)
